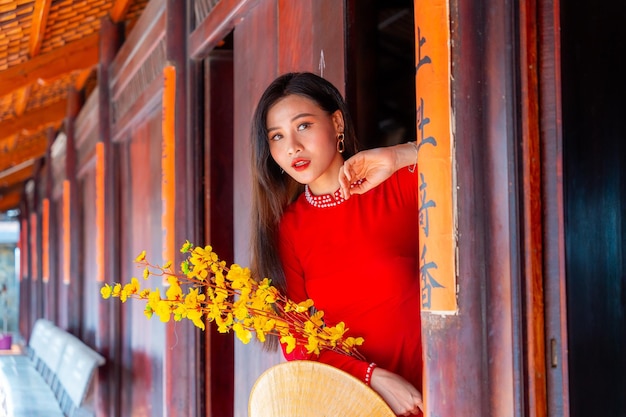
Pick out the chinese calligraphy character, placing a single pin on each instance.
(421, 61)
(421, 122)
(424, 206)
(428, 281)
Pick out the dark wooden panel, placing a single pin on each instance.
(218, 203)
(594, 156)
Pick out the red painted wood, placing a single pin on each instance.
(531, 208)
(51, 287)
(295, 46)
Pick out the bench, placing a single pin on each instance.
(52, 379)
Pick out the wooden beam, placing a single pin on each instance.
(27, 150)
(23, 94)
(82, 78)
(7, 144)
(14, 176)
(10, 201)
(119, 10)
(77, 55)
(35, 120)
(38, 26)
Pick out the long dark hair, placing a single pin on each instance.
(273, 190)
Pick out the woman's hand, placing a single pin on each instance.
(374, 166)
(403, 398)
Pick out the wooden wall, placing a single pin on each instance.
(594, 157)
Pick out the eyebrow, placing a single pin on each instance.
(296, 117)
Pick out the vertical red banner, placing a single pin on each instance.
(23, 249)
(67, 239)
(435, 157)
(100, 178)
(45, 240)
(33, 247)
(168, 163)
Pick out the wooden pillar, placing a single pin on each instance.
(25, 307)
(181, 396)
(71, 293)
(50, 250)
(474, 357)
(36, 296)
(108, 340)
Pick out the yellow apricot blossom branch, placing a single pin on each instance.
(232, 299)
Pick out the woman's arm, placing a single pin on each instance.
(375, 166)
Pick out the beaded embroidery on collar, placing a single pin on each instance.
(327, 200)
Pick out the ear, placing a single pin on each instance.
(337, 118)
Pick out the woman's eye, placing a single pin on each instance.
(276, 137)
(303, 126)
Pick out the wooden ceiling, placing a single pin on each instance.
(47, 48)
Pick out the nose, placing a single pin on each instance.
(293, 145)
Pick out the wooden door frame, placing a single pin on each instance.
(545, 315)
(551, 146)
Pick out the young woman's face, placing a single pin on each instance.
(303, 141)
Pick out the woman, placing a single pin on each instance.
(340, 227)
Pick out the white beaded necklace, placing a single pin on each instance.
(327, 200)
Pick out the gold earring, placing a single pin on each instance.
(340, 145)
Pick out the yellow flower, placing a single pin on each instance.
(106, 291)
(304, 306)
(240, 310)
(186, 247)
(117, 289)
(223, 324)
(132, 287)
(174, 292)
(163, 310)
(350, 342)
(313, 345)
(242, 333)
(148, 311)
(209, 291)
(290, 341)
